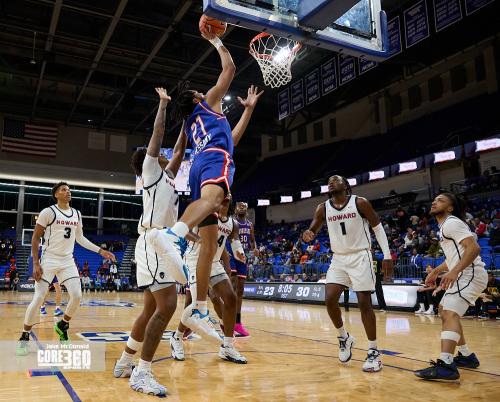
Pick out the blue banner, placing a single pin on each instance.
(312, 86)
(297, 96)
(329, 76)
(416, 23)
(284, 103)
(446, 13)
(394, 35)
(472, 6)
(347, 69)
(365, 65)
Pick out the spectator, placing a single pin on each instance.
(490, 296)
(481, 228)
(304, 258)
(85, 282)
(416, 260)
(113, 269)
(434, 250)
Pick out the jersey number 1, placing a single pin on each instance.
(342, 226)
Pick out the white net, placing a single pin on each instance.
(275, 56)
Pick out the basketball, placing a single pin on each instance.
(210, 26)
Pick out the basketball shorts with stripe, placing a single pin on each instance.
(212, 166)
(152, 270)
(465, 291)
(354, 271)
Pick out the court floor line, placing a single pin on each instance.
(388, 354)
(58, 373)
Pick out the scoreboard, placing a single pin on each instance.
(398, 295)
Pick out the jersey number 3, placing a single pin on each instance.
(67, 235)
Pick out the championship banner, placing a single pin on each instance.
(297, 97)
(366, 65)
(312, 86)
(471, 6)
(394, 36)
(284, 104)
(329, 76)
(446, 13)
(347, 70)
(416, 23)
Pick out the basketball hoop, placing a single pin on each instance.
(275, 56)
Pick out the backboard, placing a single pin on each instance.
(353, 27)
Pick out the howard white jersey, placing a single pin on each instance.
(159, 199)
(60, 231)
(451, 232)
(225, 228)
(349, 232)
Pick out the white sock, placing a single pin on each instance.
(178, 334)
(57, 307)
(42, 306)
(464, 349)
(180, 229)
(126, 357)
(144, 365)
(446, 357)
(372, 344)
(228, 341)
(202, 306)
(422, 306)
(431, 307)
(342, 332)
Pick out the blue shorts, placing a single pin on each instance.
(212, 166)
(239, 268)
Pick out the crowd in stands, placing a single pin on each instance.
(7, 250)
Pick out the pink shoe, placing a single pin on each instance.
(240, 331)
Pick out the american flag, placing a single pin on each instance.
(30, 139)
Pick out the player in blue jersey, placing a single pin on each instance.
(212, 171)
(239, 270)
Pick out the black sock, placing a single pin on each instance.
(63, 325)
(238, 318)
(25, 336)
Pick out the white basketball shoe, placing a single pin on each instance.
(177, 348)
(345, 348)
(231, 354)
(145, 382)
(372, 363)
(123, 369)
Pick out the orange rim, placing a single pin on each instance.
(254, 53)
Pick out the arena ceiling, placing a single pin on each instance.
(95, 62)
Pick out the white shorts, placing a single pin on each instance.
(151, 267)
(354, 271)
(217, 273)
(62, 267)
(465, 291)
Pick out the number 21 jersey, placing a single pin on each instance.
(349, 231)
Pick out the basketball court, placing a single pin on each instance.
(292, 356)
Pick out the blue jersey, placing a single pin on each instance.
(245, 232)
(208, 129)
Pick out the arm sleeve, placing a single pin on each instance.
(45, 217)
(82, 240)
(382, 241)
(456, 230)
(151, 170)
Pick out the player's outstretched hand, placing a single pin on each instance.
(162, 93)
(252, 97)
(308, 236)
(430, 279)
(108, 255)
(206, 35)
(241, 257)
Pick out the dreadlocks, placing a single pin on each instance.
(183, 106)
(348, 189)
(458, 204)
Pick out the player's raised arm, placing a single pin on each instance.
(178, 152)
(217, 92)
(154, 145)
(236, 246)
(315, 226)
(249, 103)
